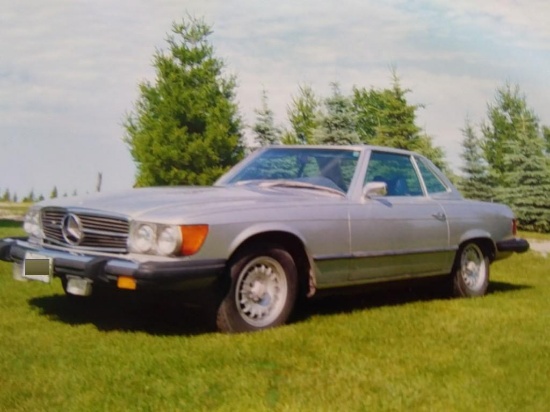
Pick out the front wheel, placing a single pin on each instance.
(263, 290)
(471, 271)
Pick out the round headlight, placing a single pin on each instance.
(168, 241)
(144, 239)
(32, 224)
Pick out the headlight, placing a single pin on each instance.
(169, 240)
(144, 238)
(166, 240)
(32, 223)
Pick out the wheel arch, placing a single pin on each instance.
(289, 241)
(484, 242)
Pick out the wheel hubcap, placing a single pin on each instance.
(261, 291)
(473, 267)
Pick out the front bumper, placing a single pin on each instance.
(516, 245)
(170, 275)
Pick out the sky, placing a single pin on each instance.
(70, 69)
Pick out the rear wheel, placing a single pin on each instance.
(264, 284)
(471, 271)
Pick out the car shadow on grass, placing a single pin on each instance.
(164, 315)
(120, 311)
(394, 295)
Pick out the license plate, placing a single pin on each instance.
(38, 267)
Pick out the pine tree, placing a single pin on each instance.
(338, 123)
(29, 198)
(526, 185)
(546, 135)
(185, 128)
(303, 115)
(501, 129)
(385, 118)
(53, 194)
(265, 130)
(6, 197)
(475, 182)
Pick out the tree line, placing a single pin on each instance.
(9, 196)
(31, 197)
(185, 128)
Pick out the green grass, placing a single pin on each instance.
(532, 235)
(403, 350)
(13, 209)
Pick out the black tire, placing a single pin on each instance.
(263, 290)
(471, 271)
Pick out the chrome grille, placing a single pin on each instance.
(101, 233)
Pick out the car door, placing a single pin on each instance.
(399, 235)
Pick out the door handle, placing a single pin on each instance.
(440, 216)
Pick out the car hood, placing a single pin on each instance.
(165, 203)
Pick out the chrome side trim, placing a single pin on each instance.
(360, 255)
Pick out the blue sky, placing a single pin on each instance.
(69, 70)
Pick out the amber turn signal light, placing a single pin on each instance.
(193, 237)
(126, 282)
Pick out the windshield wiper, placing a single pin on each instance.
(300, 185)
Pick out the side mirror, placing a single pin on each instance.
(372, 189)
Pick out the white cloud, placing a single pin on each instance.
(524, 23)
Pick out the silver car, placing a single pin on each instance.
(286, 222)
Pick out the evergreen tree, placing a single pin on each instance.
(6, 197)
(385, 118)
(264, 128)
(185, 128)
(526, 183)
(53, 194)
(506, 117)
(29, 198)
(338, 123)
(475, 182)
(303, 115)
(546, 135)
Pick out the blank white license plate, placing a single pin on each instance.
(38, 267)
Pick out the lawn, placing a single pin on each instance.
(401, 350)
(12, 210)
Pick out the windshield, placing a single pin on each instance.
(332, 168)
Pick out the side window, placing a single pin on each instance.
(397, 171)
(432, 182)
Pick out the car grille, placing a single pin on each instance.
(99, 232)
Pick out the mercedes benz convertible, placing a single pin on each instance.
(287, 222)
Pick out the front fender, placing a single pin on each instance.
(261, 228)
